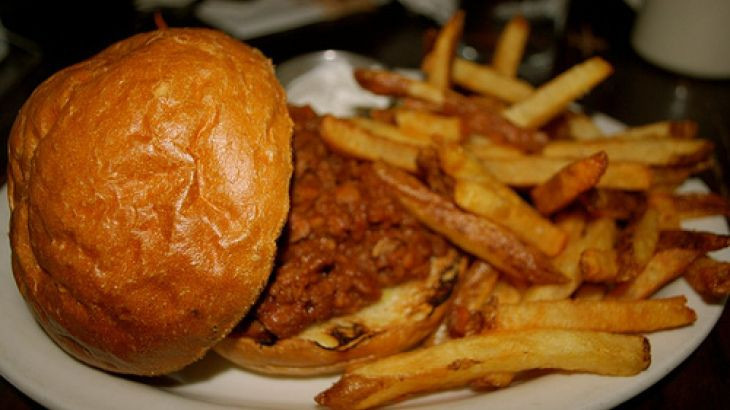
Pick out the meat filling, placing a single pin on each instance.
(345, 240)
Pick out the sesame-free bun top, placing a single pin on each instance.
(147, 188)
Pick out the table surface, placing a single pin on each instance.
(636, 93)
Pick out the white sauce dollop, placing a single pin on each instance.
(330, 88)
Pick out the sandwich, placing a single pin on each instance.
(150, 189)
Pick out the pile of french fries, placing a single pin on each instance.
(571, 231)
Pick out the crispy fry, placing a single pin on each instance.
(474, 234)
(567, 261)
(695, 240)
(492, 125)
(527, 224)
(473, 291)
(709, 277)
(599, 265)
(655, 151)
(565, 186)
(477, 285)
(429, 126)
(477, 117)
(636, 244)
(575, 126)
(506, 292)
(598, 260)
(675, 208)
(485, 80)
(530, 170)
(391, 132)
(612, 203)
(476, 190)
(663, 267)
(485, 148)
(442, 55)
(668, 178)
(385, 82)
(551, 98)
(347, 137)
(662, 129)
(603, 315)
(457, 362)
(511, 46)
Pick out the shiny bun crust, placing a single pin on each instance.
(147, 187)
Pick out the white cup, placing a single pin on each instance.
(690, 37)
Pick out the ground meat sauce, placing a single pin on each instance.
(345, 240)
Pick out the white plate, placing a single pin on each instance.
(33, 363)
(30, 360)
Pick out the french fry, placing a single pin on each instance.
(442, 55)
(346, 137)
(598, 233)
(511, 46)
(669, 178)
(485, 148)
(574, 225)
(486, 80)
(613, 203)
(665, 266)
(655, 151)
(636, 244)
(429, 126)
(476, 190)
(473, 291)
(477, 117)
(675, 208)
(477, 285)
(598, 261)
(487, 121)
(527, 224)
(568, 183)
(572, 125)
(582, 127)
(553, 97)
(604, 315)
(391, 132)
(457, 362)
(695, 240)
(530, 170)
(599, 265)
(505, 292)
(472, 233)
(389, 83)
(662, 129)
(709, 277)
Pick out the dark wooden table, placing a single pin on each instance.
(637, 93)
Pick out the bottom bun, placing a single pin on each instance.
(404, 316)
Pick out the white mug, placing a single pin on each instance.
(690, 37)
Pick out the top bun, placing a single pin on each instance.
(147, 188)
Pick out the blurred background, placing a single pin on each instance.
(37, 38)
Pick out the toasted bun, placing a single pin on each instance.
(403, 317)
(147, 187)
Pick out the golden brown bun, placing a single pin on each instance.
(403, 316)
(147, 187)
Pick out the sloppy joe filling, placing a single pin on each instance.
(345, 240)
